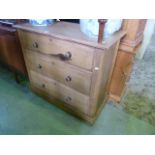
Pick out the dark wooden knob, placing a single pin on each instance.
(40, 66)
(68, 78)
(67, 55)
(43, 85)
(35, 45)
(68, 99)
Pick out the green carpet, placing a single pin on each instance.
(23, 112)
(140, 106)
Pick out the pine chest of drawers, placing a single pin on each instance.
(67, 68)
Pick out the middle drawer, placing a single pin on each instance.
(67, 74)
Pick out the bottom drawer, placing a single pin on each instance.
(60, 91)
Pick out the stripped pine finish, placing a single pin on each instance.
(67, 68)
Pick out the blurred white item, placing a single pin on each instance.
(41, 22)
(148, 32)
(91, 27)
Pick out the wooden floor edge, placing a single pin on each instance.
(114, 98)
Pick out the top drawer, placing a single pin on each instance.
(72, 53)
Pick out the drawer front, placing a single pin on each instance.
(60, 71)
(61, 92)
(73, 53)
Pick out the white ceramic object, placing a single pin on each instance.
(41, 22)
(91, 27)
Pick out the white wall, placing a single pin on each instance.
(148, 32)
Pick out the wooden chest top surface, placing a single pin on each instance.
(71, 32)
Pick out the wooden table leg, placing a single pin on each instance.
(101, 29)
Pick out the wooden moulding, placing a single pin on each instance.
(121, 74)
(134, 36)
(128, 47)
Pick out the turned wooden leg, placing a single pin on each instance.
(101, 29)
(16, 77)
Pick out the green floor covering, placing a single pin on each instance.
(23, 112)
